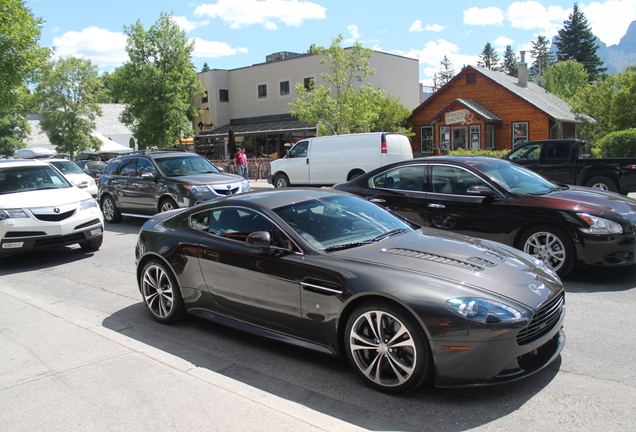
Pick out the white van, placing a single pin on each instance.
(325, 161)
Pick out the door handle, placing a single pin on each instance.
(433, 205)
(377, 200)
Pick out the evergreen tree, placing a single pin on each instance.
(488, 58)
(445, 73)
(540, 52)
(577, 42)
(205, 67)
(510, 65)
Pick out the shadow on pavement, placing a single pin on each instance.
(600, 279)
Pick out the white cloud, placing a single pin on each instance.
(241, 13)
(609, 20)
(214, 49)
(529, 15)
(486, 16)
(417, 27)
(353, 31)
(502, 42)
(187, 25)
(103, 47)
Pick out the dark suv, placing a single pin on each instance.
(148, 182)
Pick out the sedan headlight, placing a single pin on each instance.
(599, 225)
(483, 310)
(12, 214)
(88, 204)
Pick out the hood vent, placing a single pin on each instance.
(435, 258)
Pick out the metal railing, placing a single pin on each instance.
(258, 168)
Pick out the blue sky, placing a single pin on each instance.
(230, 34)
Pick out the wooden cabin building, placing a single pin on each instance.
(484, 109)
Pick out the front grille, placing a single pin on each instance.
(54, 217)
(543, 320)
(17, 234)
(226, 191)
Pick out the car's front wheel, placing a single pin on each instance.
(161, 293)
(388, 347)
(109, 210)
(167, 204)
(552, 246)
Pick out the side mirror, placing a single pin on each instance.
(480, 190)
(148, 176)
(259, 240)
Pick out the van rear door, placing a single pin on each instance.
(398, 148)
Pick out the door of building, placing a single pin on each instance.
(459, 138)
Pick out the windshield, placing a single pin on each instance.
(516, 178)
(30, 178)
(341, 221)
(185, 165)
(67, 167)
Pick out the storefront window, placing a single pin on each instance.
(519, 133)
(475, 137)
(490, 137)
(444, 138)
(426, 140)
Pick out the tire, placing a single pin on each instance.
(93, 244)
(167, 204)
(281, 181)
(603, 183)
(552, 246)
(109, 210)
(161, 293)
(387, 363)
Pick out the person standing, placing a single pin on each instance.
(241, 162)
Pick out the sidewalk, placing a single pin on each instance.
(62, 372)
(260, 184)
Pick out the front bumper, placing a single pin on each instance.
(618, 250)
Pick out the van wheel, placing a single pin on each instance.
(281, 181)
(601, 182)
(355, 175)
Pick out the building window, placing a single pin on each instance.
(490, 137)
(471, 78)
(224, 95)
(426, 139)
(262, 90)
(444, 138)
(519, 133)
(309, 83)
(284, 88)
(204, 99)
(475, 137)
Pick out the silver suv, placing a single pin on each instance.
(148, 182)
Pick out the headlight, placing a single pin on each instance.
(12, 214)
(599, 225)
(88, 204)
(196, 188)
(245, 186)
(483, 310)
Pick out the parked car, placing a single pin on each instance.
(498, 200)
(148, 182)
(93, 168)
(75, 175)
(332, 272)
(40, 208)
(563, 161)
(311, 161)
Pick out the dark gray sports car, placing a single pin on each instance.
(335, 273)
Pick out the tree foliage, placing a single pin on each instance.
(618, 144)
(158, 83)
(565, 79)
(69, 92)
(540, 52)
(610, 101)
(488, 58)
(338, 108)
(445, 74)
(510, 65)
(577, 42)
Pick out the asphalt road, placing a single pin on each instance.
(591, 388)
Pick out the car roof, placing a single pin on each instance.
(22, 162)
(155, 154)
(276, 198)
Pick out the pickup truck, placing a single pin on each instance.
(564, 161)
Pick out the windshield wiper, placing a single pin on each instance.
(388, 234)
(366, 242)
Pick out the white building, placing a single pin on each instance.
(253, 101)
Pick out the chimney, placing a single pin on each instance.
(523, 70)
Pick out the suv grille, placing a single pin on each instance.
(54, 217)
(227, 191)
(544, 320)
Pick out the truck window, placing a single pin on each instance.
(558, 151)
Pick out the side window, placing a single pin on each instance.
(128, 168)
(113, 168)
(529, 152)
(557, 152)
(453, 180)
(409, 178)
(299, 150)
(145, 166)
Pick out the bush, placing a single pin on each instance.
(490, 153)
(618, 144)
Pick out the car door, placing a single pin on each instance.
(145, 188)
(124, 185)
(556, 162)
(258, 286)
(298, 163)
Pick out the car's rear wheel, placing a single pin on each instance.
(93, 244)
(281, 181)
(167, 204)
(109, 209)
(161, 293)
(602, 182)
(387, 347)
(552, 246)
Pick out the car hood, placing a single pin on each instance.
(211, 178)
(588, 200)
(43, 198)
(78, 179)
(485, 265)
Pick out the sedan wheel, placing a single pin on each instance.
(388, 348)
(552, 246)
(161, 293)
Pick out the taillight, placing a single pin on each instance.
(384, 147)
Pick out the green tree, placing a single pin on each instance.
(510, 65)
(158, 83)
(577, 42)
(69, 92)
(445, 73)
(488, 58)
(540, 52)
(21, 57)
(565, 79)
(205, 67)
(618, 144)
(610, 102)
(338, 108)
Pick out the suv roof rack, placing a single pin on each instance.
(161, 150)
